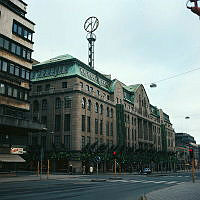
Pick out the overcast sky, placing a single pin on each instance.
(138, 41)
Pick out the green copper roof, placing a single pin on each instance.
(132, 88)
(56, 59)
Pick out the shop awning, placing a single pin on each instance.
(11, 158)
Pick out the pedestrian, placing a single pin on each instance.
(83, 169)
(91, 170)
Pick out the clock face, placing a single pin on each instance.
(91, 24)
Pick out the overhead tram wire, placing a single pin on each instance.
(174, 76)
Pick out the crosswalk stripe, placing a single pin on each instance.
(145, 181)
(171, 182)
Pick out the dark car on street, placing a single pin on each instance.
(145, 171)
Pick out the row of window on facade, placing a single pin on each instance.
(86, 140)
(15, 48)
(97, 108)
(127, 119)
(133, 132)
(55, 140)
(47, 87)
(12, 91)
(98, 124)
(57, 123)
(14, 69)
(58, 104)
(22, 31)
(91, 89)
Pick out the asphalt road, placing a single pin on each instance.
(126, 187)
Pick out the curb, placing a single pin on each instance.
(98, 180)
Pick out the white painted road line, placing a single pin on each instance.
(171, 182)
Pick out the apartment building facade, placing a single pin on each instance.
(16, 47)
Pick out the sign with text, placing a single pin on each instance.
(15, 150)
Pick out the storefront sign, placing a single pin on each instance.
(15, 150)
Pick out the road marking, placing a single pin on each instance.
(171, 182)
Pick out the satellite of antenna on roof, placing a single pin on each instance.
(91, 24)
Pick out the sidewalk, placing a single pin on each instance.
(184, 191)
(36, 178)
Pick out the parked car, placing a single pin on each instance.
(145, 171)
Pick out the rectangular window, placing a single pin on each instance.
(44, 120)
(15, 92)
(13, 48)
(6, 44)
(16, 70)
(18, 50)
(2, 88)
(107, 128)
(57, 122)
(27, 75)
(12, 69)
(98, 93)
(88, 124)
(30, 36)
(1, 42)
(47, 87)
(67, 122)
(83, 141)
(10, 90)
(64, 84)
(96, 126)
(23, 73)
(15, 28)
(24, 53)
(57, 140)
(81, 84)
(111, 129)
(88, 140)
(28, 56)
(101, 127)
(25, 96)
(19, 30)
(83, 122)
(25, 34)
(4, 66)
(67, 142)
(68, 103)
(39, 88)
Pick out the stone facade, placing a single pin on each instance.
(98, 109)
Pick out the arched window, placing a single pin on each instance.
(101, 109)
(108, 112)
(83, 102)
(96, 107)
(36, 106)
(68, 102)
(89, 104)
(44, 104)
(111, 113)
(58, 102)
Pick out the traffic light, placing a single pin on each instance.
(191, 153)
(114, 154)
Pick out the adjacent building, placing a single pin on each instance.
(16, 47)
(79, 105)
(184, 142)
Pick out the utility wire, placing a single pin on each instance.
(174, 76)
